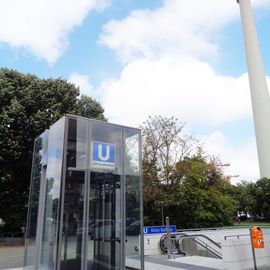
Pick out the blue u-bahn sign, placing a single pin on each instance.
(103, 155)
(158, 229)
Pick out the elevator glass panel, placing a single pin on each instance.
(105, 205)
(104, 227)
(74, 193)
(36, 175)
(90, 203)
(52, 193)
(132, 196)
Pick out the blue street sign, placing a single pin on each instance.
(103, 155)
(158, 229)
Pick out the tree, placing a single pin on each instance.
(254, 198)
(88, 107)
(245, 196)
(164, 144)
(262, 195)
(29, 105)
(192, 188)
(200, 196)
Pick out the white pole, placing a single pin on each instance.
(258, 88)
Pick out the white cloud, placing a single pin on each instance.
(42, 26)
(179, 26)
(184, 87)
(261, 3)
(165, 71)
(243, 159)
(165, 53)
(83, 82)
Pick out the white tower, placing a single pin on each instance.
(258, 88)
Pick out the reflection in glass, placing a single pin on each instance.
(36, 175)
(104, 226)
(109, 134)
(53, 179)
(133, 192)
(104, 222)
(72, 229)
(90, 190)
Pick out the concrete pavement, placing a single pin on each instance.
(179, 263)
(11, 256)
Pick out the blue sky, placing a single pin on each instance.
(141, 58)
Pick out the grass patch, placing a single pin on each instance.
(252, 223)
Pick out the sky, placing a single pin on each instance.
(143, 58)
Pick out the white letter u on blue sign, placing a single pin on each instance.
(101, 152)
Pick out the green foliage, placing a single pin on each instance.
(262, 194)
(164, 144)
(191, 188)
(200, 196)
(245, 196)
(29, 105)
(88, 107)
(253, 198)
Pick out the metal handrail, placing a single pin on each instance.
(204, 229)
(201, 243)
(236, 236)
(181, 236)
(162, 244)
(203, 236)
(209, 248)
(243, 226)
(240, 235)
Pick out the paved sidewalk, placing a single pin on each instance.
(182, 263)
(20, 268)
(161, 262)
(11, 257)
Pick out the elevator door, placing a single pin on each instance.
(104, 222)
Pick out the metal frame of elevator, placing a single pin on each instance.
(86, 204)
